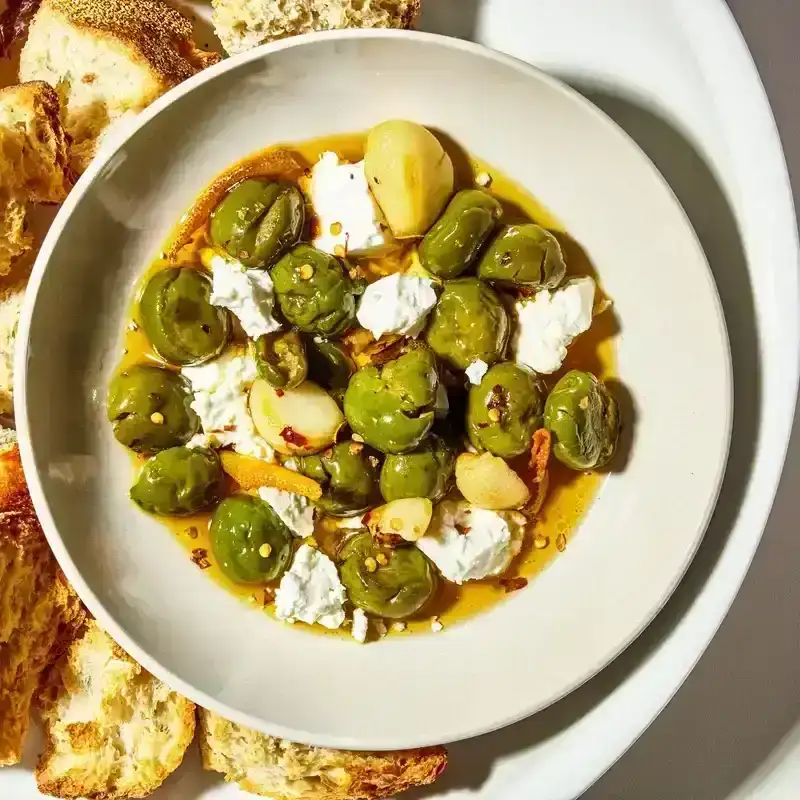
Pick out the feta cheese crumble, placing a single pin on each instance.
(350, 221)
(311, 591)
(547, 324)
(248, 293)
(360, 627)
(467, 543)
(295, 510)
(476, 370)
(396, 304)
(220, 400)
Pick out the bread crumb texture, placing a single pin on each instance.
(244, 24)
(283, 770)
(39, 612)
(112, 730)
(34, 162)
(108, 59)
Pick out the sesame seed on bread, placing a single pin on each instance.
(39, 612)
(284, 770)
(108, 59)
(244, 24)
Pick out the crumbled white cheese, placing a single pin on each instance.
(296, 511)
(310, 591)
(351, 523)
(220, 400)
(468, 543)
(396, 304)
(547, 324)
(476, 370)
(360, 627)
(441, 405)
(248, 293)
(349, 219)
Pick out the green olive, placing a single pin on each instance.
(348, 474)
(424, 472)
(182, 325)
(315, 293)
(179, 481)
(454, 241)
(505, 409)
(396, 590)
(149, 409)
(523, 255)
(468, 323)
(583, 419)
(392, 407)
(258, 221)
(329, 364)
(280, 359)
(250, 541)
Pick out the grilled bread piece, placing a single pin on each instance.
(108, 59)
(243, 24)
(112, 730)
(34, 162)
(284, 770)
(10, 304)
(39, 612)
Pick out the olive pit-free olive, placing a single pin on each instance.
(469, 323)
(391, 407)
(314, 292)
(179, 481)
(348, 474)
(149, 409)
(258, 221)
(251, 543)
(453, 243)
(396, 589)
(280, 359)
(426, 471)
(329, 363)
(178, 318)
(505, 409)
(583, 419)
(523, 255)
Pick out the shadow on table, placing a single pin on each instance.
(662, 775)
(458, 18)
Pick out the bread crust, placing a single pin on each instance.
(39, 612)
(282, 770)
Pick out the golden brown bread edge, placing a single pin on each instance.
(39, 611)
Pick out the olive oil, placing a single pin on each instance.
(570, 493)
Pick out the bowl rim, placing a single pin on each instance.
(83, 186)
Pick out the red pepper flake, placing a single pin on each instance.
(292, 437)
(229, 428)
(269, 597)
(540, 453)
(513, 584)
(390, 540)
(200, 558)
(463, 529)
(280, 392)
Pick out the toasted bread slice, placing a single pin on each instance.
(34, 162)
(39, 612)
(284, 770)
(112, 730)
(108, 59)
(244, 24)
(10, 304)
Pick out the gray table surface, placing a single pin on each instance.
(743, 698)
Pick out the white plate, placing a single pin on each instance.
(633, 547)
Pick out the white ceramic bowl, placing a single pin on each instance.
(632, 548)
